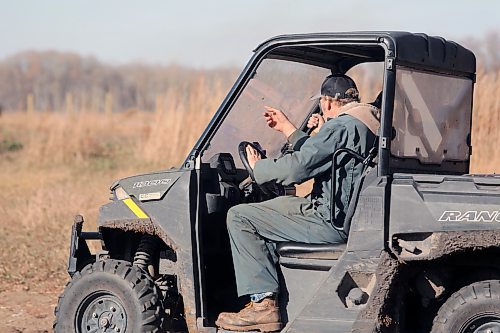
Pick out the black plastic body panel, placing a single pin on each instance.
(79, 253)
(440, 203)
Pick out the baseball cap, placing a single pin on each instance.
(339, 86)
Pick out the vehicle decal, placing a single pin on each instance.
(136, 209)
(470, 216)
(154, 182)
(149, 196)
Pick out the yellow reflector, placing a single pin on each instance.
(133, 207)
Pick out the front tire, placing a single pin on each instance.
(110, 296)
(473, 309)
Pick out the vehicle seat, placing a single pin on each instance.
(311, 251)
(321, 256)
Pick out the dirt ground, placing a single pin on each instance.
(24, 311)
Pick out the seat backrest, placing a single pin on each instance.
(368, 163)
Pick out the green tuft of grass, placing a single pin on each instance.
(10, 145)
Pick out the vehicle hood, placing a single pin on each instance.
(151, 186)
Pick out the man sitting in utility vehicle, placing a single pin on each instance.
(255, 228)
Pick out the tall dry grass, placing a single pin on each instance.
(486, 124)
(58, 164)
(68, 160)
(65, 167)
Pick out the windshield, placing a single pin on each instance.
(284, 85)
(431, 116)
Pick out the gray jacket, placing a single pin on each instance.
(312, 158)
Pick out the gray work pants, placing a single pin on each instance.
(255, 228)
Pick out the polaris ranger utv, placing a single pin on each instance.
(424, 235)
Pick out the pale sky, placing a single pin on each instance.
(218, 32)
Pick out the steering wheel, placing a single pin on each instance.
(272, 189)
(244, 158)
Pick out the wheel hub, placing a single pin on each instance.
(101, 312)
(483, 324)
(492, 327)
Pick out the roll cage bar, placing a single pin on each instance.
(341, 51)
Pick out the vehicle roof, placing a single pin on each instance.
(412, 49)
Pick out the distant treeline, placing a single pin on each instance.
(40, 81)
(57, 81)
(487, 51)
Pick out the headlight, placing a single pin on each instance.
(120, 193)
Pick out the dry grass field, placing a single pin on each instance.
(57, 164)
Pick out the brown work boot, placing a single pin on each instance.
(263, 316)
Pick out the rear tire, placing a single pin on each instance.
(110, 295)
(473, 309)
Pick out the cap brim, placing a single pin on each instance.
(317, 96)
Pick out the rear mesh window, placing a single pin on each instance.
(431, 116)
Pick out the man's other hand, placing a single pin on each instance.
(277, 120)
(252, 156)
(315, 122)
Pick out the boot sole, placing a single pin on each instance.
(271, 327)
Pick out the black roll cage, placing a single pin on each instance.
(339, 52)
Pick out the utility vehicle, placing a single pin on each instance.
(424, 234)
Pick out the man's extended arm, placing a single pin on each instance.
(313, 158)
(297, 139)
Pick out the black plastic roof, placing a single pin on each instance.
(416, 50)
